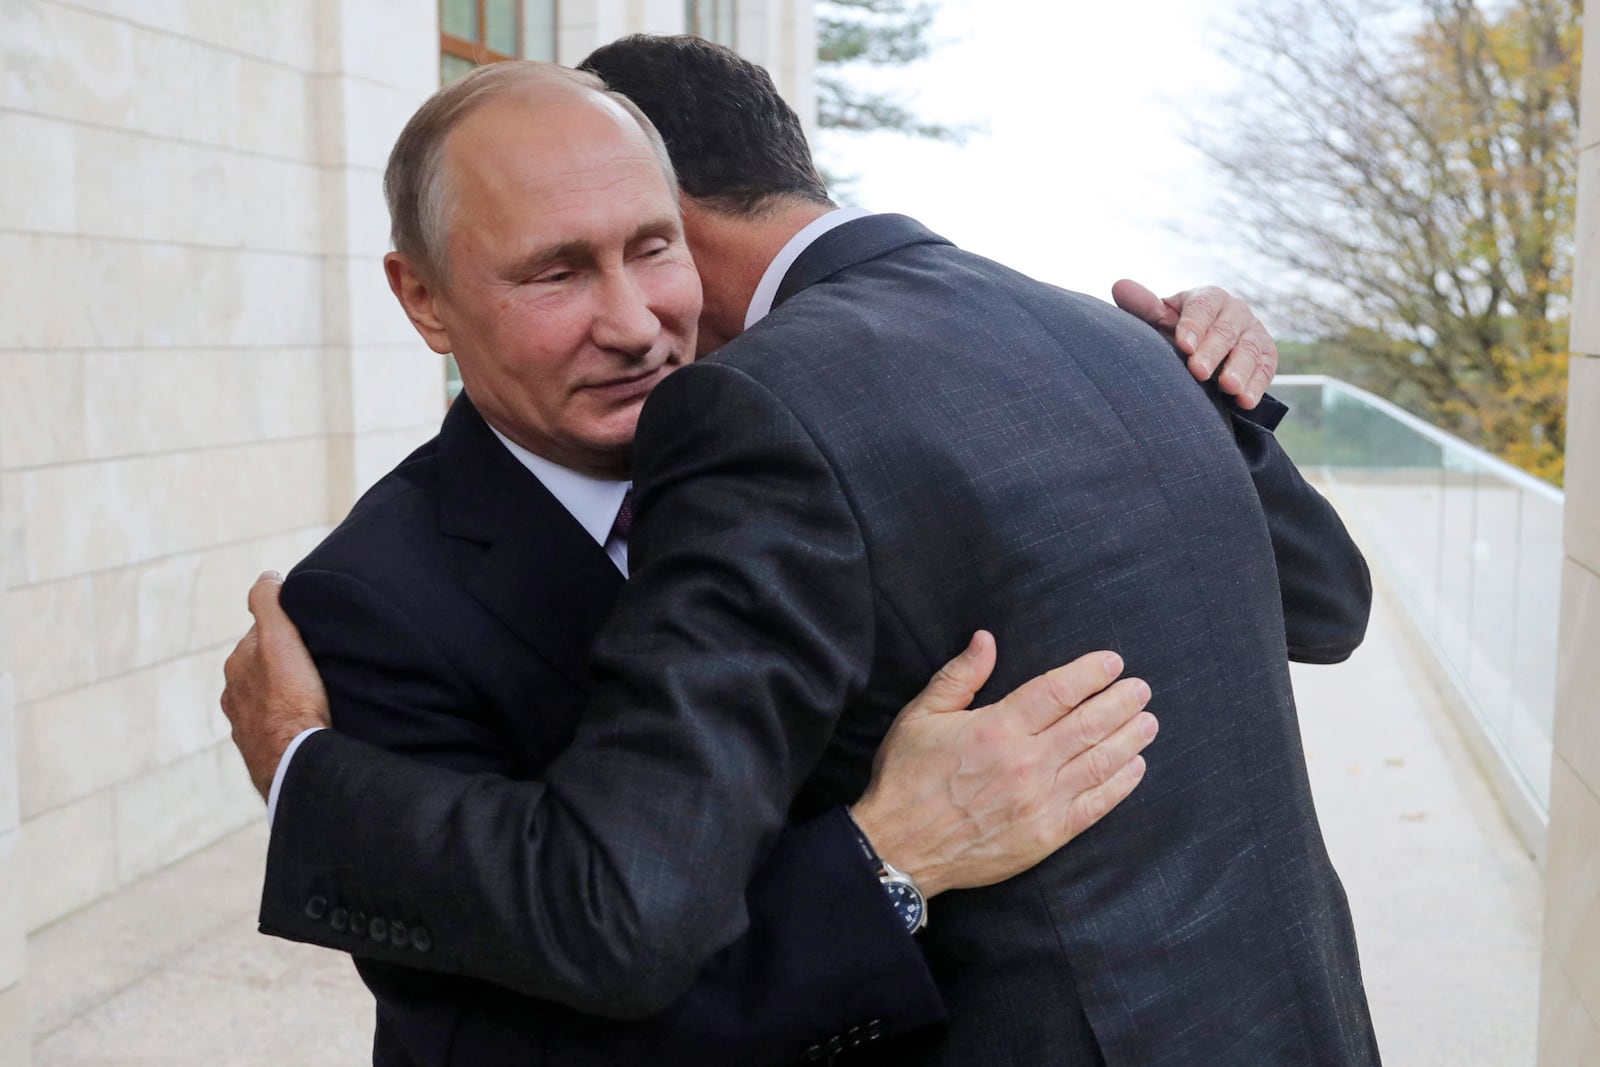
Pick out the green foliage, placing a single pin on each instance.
(1410, 167)
(855, 34)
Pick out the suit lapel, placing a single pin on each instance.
(843, 247)
(529, 562)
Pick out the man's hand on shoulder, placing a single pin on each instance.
(1216, 330)
(960, 798)
(273, 691)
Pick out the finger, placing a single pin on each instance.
(957, 682)
(1261, 380)
(1091, 805)
(1042, 701)
(234, 664)
(1097, 718)
(1240, 363)
(1224, 343)
(1217, 321)
(1197, 309)
(1137, 300)
(264, 591)
(1095, 764)
(263, 600)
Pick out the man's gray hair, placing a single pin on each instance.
(419, 192)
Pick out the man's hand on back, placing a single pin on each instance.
(960, 799)
(273, 690)
(1216, 330)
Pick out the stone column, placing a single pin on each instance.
(14, 1027)
(1569, 1016)
(383, 391)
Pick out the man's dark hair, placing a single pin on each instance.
(734, 142)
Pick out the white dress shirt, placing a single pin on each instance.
(594, 502)
(772, 278)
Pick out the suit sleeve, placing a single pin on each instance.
(612, 883)
(1323, 578)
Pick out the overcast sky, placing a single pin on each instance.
(1083, 163)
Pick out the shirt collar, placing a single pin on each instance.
(594, 502)
(767, 289)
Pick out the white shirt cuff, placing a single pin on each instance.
(283, 765)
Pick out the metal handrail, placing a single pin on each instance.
(1520, 478)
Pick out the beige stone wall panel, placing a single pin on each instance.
(50, 638)
(73, 745)
(136, 187)
(281, 31)
(14, 1020)
(42, 417)
(1577, 725)
(13, 950)
(83, 292)
(39, 190)
(143, 401)
(359, 119)
(13, 532)
(1585, 324)
(123, 75)
(1583, 458)
(361, 309)
(355, 216)
(184, 604)
(218, 616)
(97, 516)
(1568, 1034)
(174, 811)
(1572, 884)
(390, 42)
(69, 859)
(10, 793)
(402, 387)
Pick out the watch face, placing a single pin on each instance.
(907, 903)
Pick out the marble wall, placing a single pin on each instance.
(199, 366)
(1569, 1024)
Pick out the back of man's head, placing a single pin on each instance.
(736, 145)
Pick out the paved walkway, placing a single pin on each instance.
(170, 971)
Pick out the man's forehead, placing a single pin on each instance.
(562, 120)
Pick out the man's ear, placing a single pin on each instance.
(419, 298)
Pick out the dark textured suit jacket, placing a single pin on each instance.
(451, 616)
(916, 443)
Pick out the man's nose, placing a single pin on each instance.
(624, 321)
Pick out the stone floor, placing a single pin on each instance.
(170, 971)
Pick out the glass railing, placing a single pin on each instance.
(1469, 545)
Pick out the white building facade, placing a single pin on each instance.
(200, 369)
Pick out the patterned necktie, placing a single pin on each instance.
(624, 523)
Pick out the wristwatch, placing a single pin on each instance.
(904, 895)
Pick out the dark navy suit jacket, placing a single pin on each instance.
(918, 442)
(451, 616)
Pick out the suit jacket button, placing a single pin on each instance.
(814, 1053)
(874, 1029)
(421, 940)
(339, 920)
(358, 922)
(316, 908)
(399, 937)
(378, 928)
